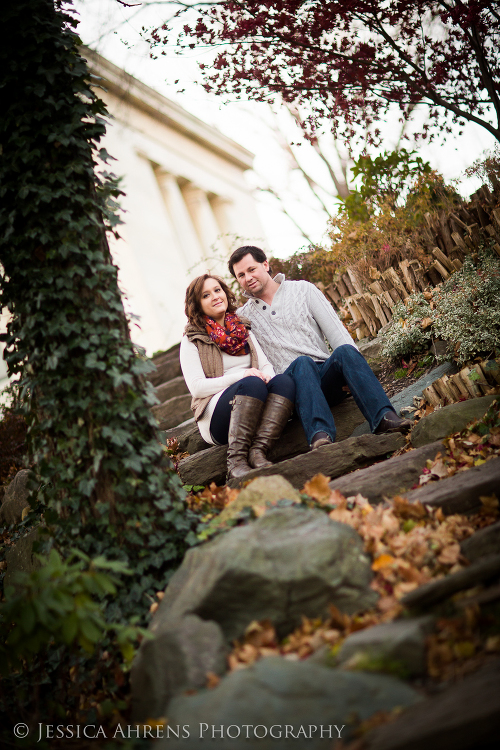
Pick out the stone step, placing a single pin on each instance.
(460, 493)
(167, 365)
(391, 477)
(331, 460)
(464, 716)
(173, 412)
(170, 389)
(293, 440)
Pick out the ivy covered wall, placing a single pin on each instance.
(102, 480)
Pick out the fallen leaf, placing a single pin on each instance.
(404, 509)
(317, 487)
(212, 680)
(383, 562)
(449, 555)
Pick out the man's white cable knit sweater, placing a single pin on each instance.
(296, 323)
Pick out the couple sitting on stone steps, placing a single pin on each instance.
(229, 359)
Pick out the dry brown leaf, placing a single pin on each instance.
(404, 509)
(489, 503)
(212, 680)
(449, 555)
(384, 561)
(317, 487)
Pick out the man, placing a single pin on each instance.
(291, 320)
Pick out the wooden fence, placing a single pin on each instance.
(449, 237)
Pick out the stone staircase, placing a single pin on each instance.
(290, 456)
(356, 462)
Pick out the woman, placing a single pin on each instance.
(237, 398)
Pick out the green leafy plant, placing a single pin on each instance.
(466, 314)
(100, 474)
(468, 309)
(61, 604)
(406, 335)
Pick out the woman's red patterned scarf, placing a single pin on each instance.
(232, 338)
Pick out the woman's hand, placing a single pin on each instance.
(258, 374)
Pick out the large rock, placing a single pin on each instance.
(282, 705)
(15, 499)
(331, 460)
(257, 493)
(399, 644)
(482, 543)
(173, 412)
(371, 349)
(391, 477)
(465, 716)
(449, 419)
(179, 658)
(290, 562)
(175, 387)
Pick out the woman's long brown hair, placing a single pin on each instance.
(192, 306)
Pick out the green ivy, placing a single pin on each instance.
(105, 484)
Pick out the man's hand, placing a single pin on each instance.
(258, 374)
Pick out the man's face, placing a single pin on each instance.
(252, 276)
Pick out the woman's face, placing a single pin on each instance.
(213, 300)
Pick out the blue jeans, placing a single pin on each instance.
(319, 386)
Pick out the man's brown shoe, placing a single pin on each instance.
(321, 438)
(390, 422)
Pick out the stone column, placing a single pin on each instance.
(192, 251)
(206, 227)
(221, 210)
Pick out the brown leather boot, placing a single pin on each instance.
(245, 418)
(277, 412)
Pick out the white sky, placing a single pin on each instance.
(115, 32)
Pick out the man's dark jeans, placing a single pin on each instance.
(319, 386)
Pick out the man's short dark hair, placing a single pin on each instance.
(256, 253)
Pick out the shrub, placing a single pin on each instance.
(407, 334)
(466, 314)
(468, 309)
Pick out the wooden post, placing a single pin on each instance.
(418, 272)
(459, 385)
(333, 294)
(355, 281)
(443, 259)
(409, 281)
(475, 234)
(391, 275)
(473, 389)
(440, 269)
(460, 242)
(342, 289)
(432, 396)
(379, 311)
(347, 281)
(376, 287)
(368, 317)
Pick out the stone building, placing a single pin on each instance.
(186, 201)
